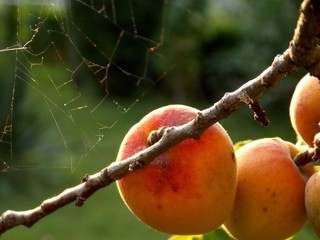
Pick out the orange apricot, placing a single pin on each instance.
(269, 203)
(189, 189)
(304, 108)
(312, 201)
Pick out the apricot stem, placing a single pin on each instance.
(316, 143)
(304, 157)
(309, 155)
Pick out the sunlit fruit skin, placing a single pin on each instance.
(189, 189)
(269, 203)
(312, 201)
(304, 108)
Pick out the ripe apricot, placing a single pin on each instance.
(269, 203)
(189, 189)
(304, 108)
(312, 201)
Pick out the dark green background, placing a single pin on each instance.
(202, 49)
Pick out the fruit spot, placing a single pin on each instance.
(159, 206)
(273, 194)
(233, 156)
(169, 173)
(175, 187)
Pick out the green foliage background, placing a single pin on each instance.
(209, 48)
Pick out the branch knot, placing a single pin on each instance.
(155, 136)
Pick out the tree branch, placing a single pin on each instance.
(304, 48)
(303, 51)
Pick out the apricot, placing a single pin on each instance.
(304, 108)
(269, 203)
(187, 190)
(312, 201)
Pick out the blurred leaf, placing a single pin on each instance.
(317, 168)
(218, 234)
(241, 144)
(300, 144)
(305, 234)
(187, 237)
(221, 234)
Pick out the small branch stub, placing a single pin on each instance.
(200, 121)
(80, 201)
(85, 178)
(135, 165)
(155, 136)
(259, 114)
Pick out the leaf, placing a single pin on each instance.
(218, 234)
(301, 145)
(186, 237)
(241, 144)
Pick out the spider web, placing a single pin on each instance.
(73, 70)
(67, 85)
